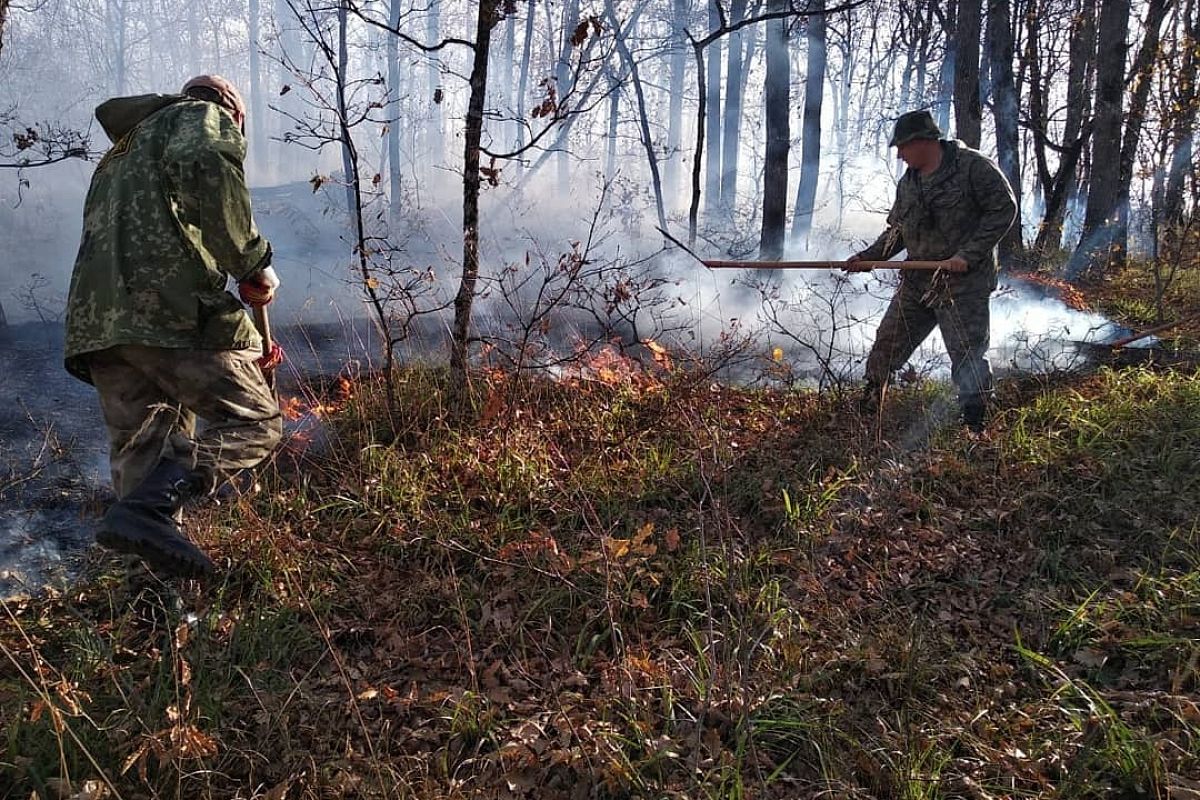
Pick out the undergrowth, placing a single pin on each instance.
(658, 588)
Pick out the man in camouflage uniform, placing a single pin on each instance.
(952, 204)
(166, 222)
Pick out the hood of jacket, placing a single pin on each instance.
(120, 115)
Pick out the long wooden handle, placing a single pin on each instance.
(263, 322)
(919, 265)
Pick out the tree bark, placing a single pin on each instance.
(776, 111)
(523, 80)
(1143, 73)
(562, 79)
(1094, 252)
(947, 71)
(643, 114)
(968, 111)
(732, 133)
(434, 144)
(1057, 186)
(678, 75)
(393, 135)
(1006, 112)
(712, 123)
(472, 136)
(257, 121)
(810, 149)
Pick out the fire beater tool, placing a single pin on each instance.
(263, 323)
(1101, 349)
(928, 266)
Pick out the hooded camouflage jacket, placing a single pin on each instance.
(166, 221)
(964, 208)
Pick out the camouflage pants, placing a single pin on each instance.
(965, 326)
(151, 396)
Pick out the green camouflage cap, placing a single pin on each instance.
(915, 125)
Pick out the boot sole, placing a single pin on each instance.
(159, 558)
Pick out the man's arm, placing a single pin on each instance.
(204, 162)
(998, 209)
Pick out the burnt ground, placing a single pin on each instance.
(54, 480)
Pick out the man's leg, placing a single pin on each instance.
(243, 425)
(965, 323)
(139, 416)
(906, 323)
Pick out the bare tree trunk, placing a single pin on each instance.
(523, 80)
(1006, 108)
(472, 135)
(257, 122)
(1082, 59)
(1182, 136)
(393, 113)
(434, 145)
(678, 75)
(1143, 71)
(508, 56)
(343, 67)
(775, 177)
(968, 111)
(814, 92)
(732, 134)
(947, 71)
(643, 115)
(712, 164)
(1094, 252)
(3, 19)
(562, 80)
(614, 110)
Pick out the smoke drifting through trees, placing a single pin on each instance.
(639, 94)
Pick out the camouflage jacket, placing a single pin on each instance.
(166, 221)
(963, 209)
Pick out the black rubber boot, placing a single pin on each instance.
(974, 415)
(143, 523)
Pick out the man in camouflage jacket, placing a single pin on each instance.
(952, 204)
(166, 223)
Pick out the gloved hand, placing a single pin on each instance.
(273, 359)
(851, 263)
(258, 288)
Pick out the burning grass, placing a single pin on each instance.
(654, 586)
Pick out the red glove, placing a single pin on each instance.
(258, 289)
(271, 360)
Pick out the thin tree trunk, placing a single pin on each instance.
(434, 145)
(776, 111)
(678, 75)
(732, 134)
(343, 66)
(472, 135)
(968, 111)
(643, 115)
(814, 92)
(712, 125)
(562, 79)
(1094, 252)
(614, 119)
(393, 113)
(947, 71)
(257, 121)
(523, 80)
(1058, 187)
(1143, 71)
(1006, 108)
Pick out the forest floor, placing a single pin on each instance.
(639, 583)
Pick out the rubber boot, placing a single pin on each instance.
(974, 414)
(143, 523)
(871, 399)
